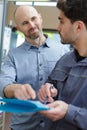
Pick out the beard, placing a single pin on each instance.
(65, 41)
(34, 36)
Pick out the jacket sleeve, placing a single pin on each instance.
(77, 116)
(77, 110)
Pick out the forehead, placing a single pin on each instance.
(61, 16)
(25, 12)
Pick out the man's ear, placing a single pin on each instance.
(80, 25)
(40, 16)
(18, 28)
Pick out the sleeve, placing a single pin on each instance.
(77, 116)
(8, 73)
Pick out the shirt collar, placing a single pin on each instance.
(28, 46)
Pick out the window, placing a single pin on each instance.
(35, 2)
(3, 4)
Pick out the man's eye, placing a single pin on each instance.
(25, 22)
(61, 22)
(34, 18)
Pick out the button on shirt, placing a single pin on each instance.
(29, 64)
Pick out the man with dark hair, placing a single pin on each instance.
(69, 77)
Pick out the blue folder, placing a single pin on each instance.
(18, 106)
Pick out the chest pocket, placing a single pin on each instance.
(60, 77)
(67, 88)
(70, 88)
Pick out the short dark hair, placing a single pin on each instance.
(74, 9)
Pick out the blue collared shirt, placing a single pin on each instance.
(29, 64)
(32, 65)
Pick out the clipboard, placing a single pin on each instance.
(14, 105)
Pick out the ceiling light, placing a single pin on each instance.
(37, 3)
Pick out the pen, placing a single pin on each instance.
(46, 100)
(42, 122)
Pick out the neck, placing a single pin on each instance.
(81, 45)
(82, 49)
(37, 42)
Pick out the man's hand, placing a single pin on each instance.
(47, 90)
(58, 110)
(20, 91)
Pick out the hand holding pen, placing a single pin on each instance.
(46, 93)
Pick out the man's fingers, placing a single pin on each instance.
(30, 92)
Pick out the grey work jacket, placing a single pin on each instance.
(70, 78)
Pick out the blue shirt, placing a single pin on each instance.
(70, 78)
(29, 64)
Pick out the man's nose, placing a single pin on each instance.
(58, 28)
(31, 24)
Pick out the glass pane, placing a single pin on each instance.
(2, 25)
